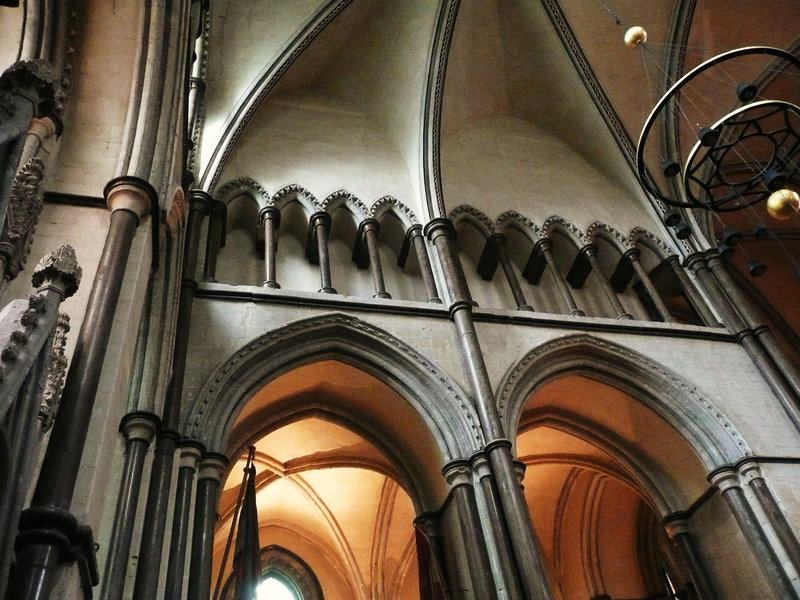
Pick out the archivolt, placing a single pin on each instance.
(712, 436)
(443, 406)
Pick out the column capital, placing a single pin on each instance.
(480, 465)
(213, 466)
(271, 213)
(58, 271)
(724, 478)
(498, 443)
(632, 254)
(543, 243)
(457, 472)
(320, 218)
(132, 194)
(140, 425)
(676, 524)
(370, 224)
(695, 261)
(414, 231)
(749, 470)
(438, 227)
(191, 454)
(201, 200)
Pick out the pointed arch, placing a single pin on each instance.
(640, 236)
(511, 219)
(614, 237)
(296, 193)
(475, 217)
(352, 203)
(243, 186)
(569, 229)
(448, 416)
(680, 403)
(391, 205)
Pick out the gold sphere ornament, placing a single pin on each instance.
(783, 204)
(635, 36)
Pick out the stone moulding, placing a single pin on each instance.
(444, 406)
(679, 402)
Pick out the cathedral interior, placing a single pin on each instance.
(495, 298)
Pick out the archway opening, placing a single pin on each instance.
(340, 461)
(598, 481)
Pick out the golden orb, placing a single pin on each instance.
(783, 204)
(634, 36)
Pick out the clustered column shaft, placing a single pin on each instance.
(370, 228)
(545, 246)
(209, 478)
(320, 224)
(271, 220)
(634, 256)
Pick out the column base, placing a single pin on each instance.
(327, 290)
(577, 313)
(382, 295)
(525, 307)
(274, 285)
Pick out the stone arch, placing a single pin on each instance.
(296, 193)
(511, 219)
(642, 237)
(342, 198)
(389, 204)
(607, 233)
(680, 403)
(243, 186)
(431, 393)
(472, 215)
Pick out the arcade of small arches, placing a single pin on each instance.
(350, 466)
(292, 241)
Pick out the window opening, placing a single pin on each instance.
(273, 588)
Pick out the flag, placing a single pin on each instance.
(247, 558)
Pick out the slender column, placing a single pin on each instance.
(678, 530)
(191, 453)
(212, 468)
(633, 255)
(415, 231)
(751, 474)
(215, 239)
(139, 428)
(546, 247)
(694, 297)
(764, 334)
(48, 523)
(155, 517)
(371, 227)
(270, 218)
(746, 337)
(616, 305)
(532, 574)
(40, 132)
(727, 481)
(321, 223)
(508, 271)
(505, 555)
(457, 474)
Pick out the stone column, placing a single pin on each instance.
(750, 473)
(39, 134)
(138, 428)
(746, 337)
(191, 453)
(320, 225)
(270, 218)
(633, 255)
(764, 334)
(215, 239)
(415, 231)
(209, 478)
(727, 481)
(505, 556)
(508, 270)
(590, 251)
(458, 476)
(694, 297)
(370, 229)
(678, 530)
(47, 524)
(532, 575)
(152, 543)
(545, 246)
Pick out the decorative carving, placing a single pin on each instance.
(339, 197)
(609, 233)
(38, 81)
(55, 375)
(556, 222)
(24, 207)
(244, 186)
(391, 204)
(510, 218)
(220, 378)
(59, 268)
(297, 192)
(474, 216)
(651, 240)
(689, 403)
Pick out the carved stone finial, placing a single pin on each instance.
(24, 207)
(38, 81)
(59, 270)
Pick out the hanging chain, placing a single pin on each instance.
(611, 12)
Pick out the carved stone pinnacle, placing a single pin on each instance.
(59, 270)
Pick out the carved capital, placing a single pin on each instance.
(58, 271)
(457, 472)
(440, 226)
(37, 81)
(724, 479)
(212, 466)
